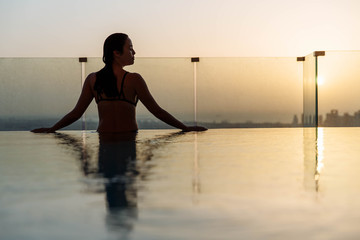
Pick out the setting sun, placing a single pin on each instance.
(320, 80)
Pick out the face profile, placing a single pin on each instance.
(127, 56)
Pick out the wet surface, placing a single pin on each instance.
(161, 184)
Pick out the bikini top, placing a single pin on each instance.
(119, 97)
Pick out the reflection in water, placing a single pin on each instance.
(196, 171)
(313, 157)
(320, 154)
(119, 166)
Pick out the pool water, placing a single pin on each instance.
(285, 183)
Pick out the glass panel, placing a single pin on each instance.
(249, 92)
(36, 92)
(91, 115)
(170, 81)
(309, 88)
(339, 87)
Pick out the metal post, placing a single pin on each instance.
(316, 94)
(195, 60)
(83, 60)
(316, 54)
(302, 59)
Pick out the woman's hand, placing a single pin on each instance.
(42, 130)
(194, 128)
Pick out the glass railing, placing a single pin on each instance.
(309, 117)
(339, 88)
(37, 91)
(331, 89)
(228, 92)
(243, 92)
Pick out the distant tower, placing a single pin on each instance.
(302, 119)
(357, 118)
(320, 120)
(332, 118)
(295, 121)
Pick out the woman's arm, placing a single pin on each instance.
(85, 99)
(149, 102)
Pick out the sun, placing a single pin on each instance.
(320, 80)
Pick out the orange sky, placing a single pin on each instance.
(179, 28)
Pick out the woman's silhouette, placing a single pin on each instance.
(117, 92)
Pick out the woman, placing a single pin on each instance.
(116, 93)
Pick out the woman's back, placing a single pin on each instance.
(118, 113)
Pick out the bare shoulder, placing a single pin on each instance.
(90, 79)
(136, 78)
(134, 75)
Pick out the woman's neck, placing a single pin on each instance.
(118, 69)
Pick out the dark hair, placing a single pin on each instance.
(105, 78)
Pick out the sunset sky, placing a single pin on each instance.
(72, 28)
